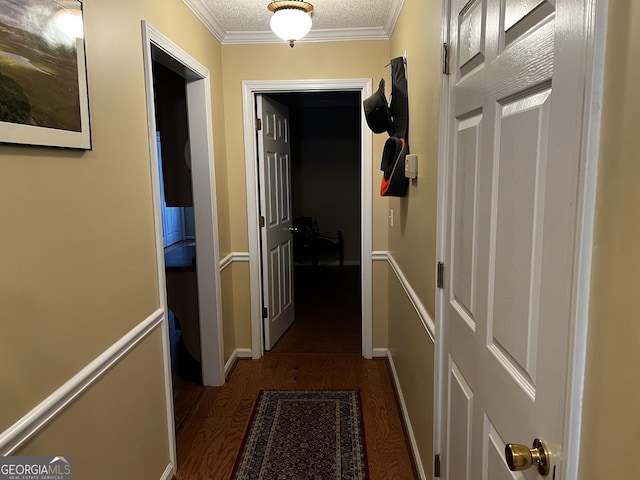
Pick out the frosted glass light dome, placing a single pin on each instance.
(290, 23)
(291, 19)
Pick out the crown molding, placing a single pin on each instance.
(206, 17)
(394, 12)
(325, 35)
(340, 34)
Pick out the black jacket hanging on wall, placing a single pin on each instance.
(394, 183)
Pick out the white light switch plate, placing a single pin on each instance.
(411, 166)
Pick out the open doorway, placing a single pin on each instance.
(252, 89)
(197, 151)
(176, 204)
(194, 150)
(326, 197)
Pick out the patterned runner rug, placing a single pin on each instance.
(303, 435)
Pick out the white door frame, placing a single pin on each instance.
(198, 92)
(595, 26)
(250, 88)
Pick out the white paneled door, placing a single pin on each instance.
(172, 217)
(275, 191)
(515, 113)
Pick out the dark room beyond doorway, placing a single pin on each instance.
(326, 193)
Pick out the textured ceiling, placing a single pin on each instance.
(247, 21)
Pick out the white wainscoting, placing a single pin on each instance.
(233, 257)
(429, 326)
(168, 472)
(29, 425)
(427, 321)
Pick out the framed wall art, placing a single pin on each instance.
(43, 79)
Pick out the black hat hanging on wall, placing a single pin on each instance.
(377, 111)
(395, 121)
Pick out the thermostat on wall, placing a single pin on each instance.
(411, 166)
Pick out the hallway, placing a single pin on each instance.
(321, 350)
(211, 435)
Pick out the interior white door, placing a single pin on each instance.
(274, 162)
(512, 176)
(172, 217)
(173, 224)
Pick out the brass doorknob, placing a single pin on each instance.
(521, 457)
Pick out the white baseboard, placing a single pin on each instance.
(407, 421)
(233, 359)
(380, 352)
(244, 352)
(34, 421)
(230, 364)
(169, 472)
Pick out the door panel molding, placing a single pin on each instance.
(250, 88)
(589, 48)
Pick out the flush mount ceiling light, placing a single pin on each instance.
(291, 19)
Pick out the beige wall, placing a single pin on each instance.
(412, 239)
(241, 304)
(412, 351)
(611, 427)
(78, 252)
(380, 305)
(117, 428)
(228, 312)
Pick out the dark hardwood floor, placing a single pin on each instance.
(323, 352)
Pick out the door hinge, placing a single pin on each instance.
(258, 124)
(440, 275)
(436, 466)
(445, 59)
(265, 312)
(261, 221)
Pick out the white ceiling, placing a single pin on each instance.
(247, 21)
